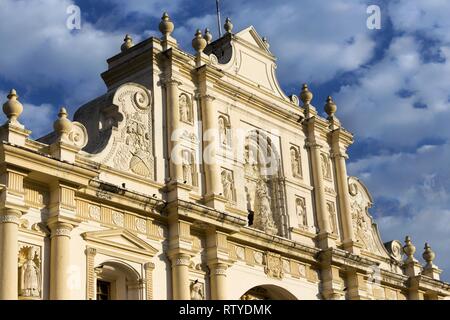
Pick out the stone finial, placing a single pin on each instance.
(12, 108)
(305, 95)
(330, 107)
(228, 25)
(62, 125)
(199, 43)
(166, 26)
(409, 249)
(127, 43)
(428, 255)
(208, 36)
(266, 42)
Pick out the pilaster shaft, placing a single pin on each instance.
(212, 174)
(218, 281)
(173, 123)
(343, 198)
(180, 277)
(9, 229)
(60, 261)
(319, 190)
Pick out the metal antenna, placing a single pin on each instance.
(219, 24)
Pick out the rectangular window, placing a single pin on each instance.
(103, 290)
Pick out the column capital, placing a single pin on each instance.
(9, 215)
(313, 145)
(180, 259)
(171, 82)
(218, 269)
(59, 228)
(338, 155)
(149, 266)
(91, 251)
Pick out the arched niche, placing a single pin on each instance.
(264, 185)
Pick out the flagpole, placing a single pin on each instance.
(219, 24)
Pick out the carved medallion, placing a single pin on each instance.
(118, 218)
(273, 265)
(94, 212)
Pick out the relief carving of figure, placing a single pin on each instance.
(295, 163)
(326, 169)
(301, 212)
(185, 109)
(332, 217)
(187, 168)
(228, 185)
(263, 218)
(197, 291)
(29, 272)
(223, 132)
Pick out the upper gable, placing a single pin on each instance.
(246, 56)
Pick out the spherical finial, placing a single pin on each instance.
(330, 107)
(208, 36)
(198, 43)
(428, 255)
(127, 43)
(62, 125)
(166, 26)
(266, 42)
(305, 95)
(12, 108)
(228, 25)
(409, 249)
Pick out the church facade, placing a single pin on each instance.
(195, 177)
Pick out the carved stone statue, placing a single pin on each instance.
(228, 185)
(301, 212)
(187, 168)
(185, 109)
(295, 163)
(223, 132)
(29, 272)
(326, 169)
(263, 218)
(197, 291)
(332, 217)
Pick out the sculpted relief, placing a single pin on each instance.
(129, 145)
(185, 107)
(332, 216)
(263, 217)
(296, 165)
(29, 271)
(300, 205)
(361, 221)
(228, 184)
(326, 166)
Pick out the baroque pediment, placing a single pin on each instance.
(121, 239)
(365, 229)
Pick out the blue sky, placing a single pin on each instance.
(392, 86)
